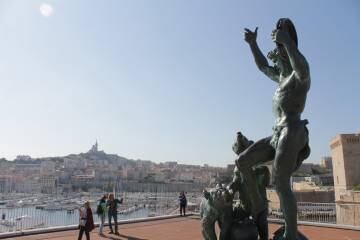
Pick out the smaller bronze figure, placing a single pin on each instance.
(261, 174)
(235, 222)
(217, 206)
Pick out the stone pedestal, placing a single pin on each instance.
(245, 230)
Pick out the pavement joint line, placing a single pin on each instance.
(317, 224)
(148, 233)
(154, 224)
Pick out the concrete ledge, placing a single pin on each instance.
(38, 231)
(74, 227)
(305, 223)
(316, 224)
(148, 219)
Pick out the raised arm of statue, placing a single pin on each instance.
(297, 60)
(260, 59)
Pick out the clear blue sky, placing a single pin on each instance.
(165, 80)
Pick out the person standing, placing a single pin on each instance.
(86, 221)
(183, 203)
(101, 212)
(112, 205)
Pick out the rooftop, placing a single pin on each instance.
(183, 228)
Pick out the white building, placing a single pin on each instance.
(47, 183)
(47, 167)
(186, 176)
(28, 186)
(23, 158)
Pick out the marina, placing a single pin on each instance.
(42, 211)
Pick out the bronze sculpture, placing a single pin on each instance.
(288, 145)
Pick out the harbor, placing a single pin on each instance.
(42, 211)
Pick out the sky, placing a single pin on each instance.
(165, 80)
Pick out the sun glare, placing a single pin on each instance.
(46, 10)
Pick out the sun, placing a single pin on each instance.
(46, 10)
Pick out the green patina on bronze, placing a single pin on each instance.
(235, 219)
(288, 146)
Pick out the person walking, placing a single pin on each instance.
(183, 203)
(112, 205)
(101, 212)
(86, 221)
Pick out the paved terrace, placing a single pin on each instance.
(183, 228)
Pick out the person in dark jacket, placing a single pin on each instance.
(112, 205)
(183, 203)
(101, 212)
(86, 223)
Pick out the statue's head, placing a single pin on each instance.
(219, 196)
(279, 56)
(241, 143)
(287, 25)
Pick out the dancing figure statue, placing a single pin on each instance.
(288, 145)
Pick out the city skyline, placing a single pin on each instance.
(165, 81)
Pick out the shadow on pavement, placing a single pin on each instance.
(122, 237)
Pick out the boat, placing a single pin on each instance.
(53, 207)
(130, 210)
(22, 222)
(70, 211)
(10, 205)
(152, 214)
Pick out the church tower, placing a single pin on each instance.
(94, 148)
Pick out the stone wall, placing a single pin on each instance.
(348, 209)
(320, 196)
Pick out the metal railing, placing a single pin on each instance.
(318, 214)
(309, 212)
(65, 212)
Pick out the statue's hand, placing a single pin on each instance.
(280, 36)
(231, 188)
(206, 194)
(249, 36)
